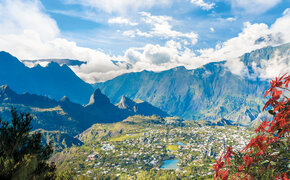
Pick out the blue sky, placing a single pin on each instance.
(210, 24)
(148, 34)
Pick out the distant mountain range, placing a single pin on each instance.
(68, 62)
(207, 93)
(67, 116)
(54, 80)
(210, 92)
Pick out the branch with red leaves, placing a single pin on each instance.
(266, 155)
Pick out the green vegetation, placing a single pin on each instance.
(172, 147)
(137, 147)
(21, 154)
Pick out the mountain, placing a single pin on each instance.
(65, 115)
(68, 62)
(7, 95)
(59, 139)
(101, 110)
(131, 124)
(47, 114)
(142, 107)
(207, 93)
(54, 80)
(122, 64)
(223, 122)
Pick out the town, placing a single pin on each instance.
(183, 149)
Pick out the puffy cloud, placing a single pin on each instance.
(253, 36)
(121, 6)
(18, 17)
(28, 33)
(161, 28)
(157, 58)
(254, 6)
(121, 20)
(277, 65)
(236, 66)
(202, 4)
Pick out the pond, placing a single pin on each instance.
(170, 164)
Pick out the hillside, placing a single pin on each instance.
(59, 139)
(207, 93)
(54, 80)
(140, 107)
(64, 115)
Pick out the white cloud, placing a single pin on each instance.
(211, 29)
(231, 19)
(286, 11)
(237, 46)
(157, 58)
(254, 6)
(236, 66)
(202, 4)
(161, 28)
(121, 6)
(32, 19)
(253, 36)
(85, 14)
(121, 20)
(129, 33)
(28, 33)
(276, 66)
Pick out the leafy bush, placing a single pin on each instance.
(267, 154)
(22, 155)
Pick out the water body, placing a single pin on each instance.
(170, 164)
(180, 143)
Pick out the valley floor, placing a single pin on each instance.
(139, 148)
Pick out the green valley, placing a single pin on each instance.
(139, 147)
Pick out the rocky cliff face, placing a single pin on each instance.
(210, 92)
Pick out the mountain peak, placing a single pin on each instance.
(179, 68)
(7, 61)
(223, 122)
(6, 93)
(5, 89)
(53, 65)
(98, 98)
(64, 99)
(125, 103)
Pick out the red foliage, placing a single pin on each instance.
(269, 132)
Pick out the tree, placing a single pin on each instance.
(22, 156)
(267, 155)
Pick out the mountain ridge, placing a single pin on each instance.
(54, 80)
(210, 92)
(64, 115)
